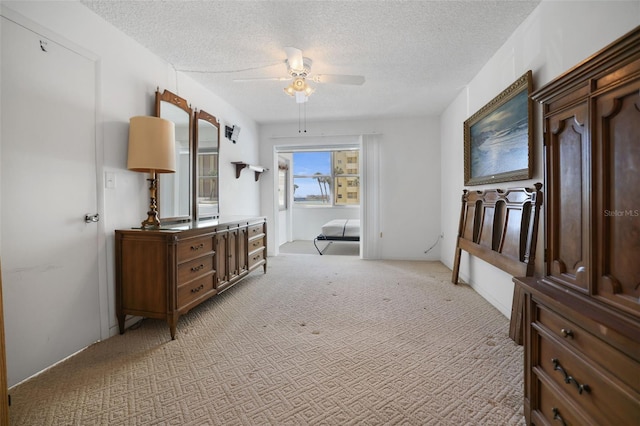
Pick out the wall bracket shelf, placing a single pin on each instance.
(241, 165)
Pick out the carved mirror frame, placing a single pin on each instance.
(182, 210)
(206, 186)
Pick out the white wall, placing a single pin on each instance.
(554, 38)
(128, 75)
(409, 174)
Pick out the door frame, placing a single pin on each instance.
(369, 147)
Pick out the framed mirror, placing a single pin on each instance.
(174, 189)
(206, 133)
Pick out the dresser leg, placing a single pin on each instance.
(173, 325)
(121, 318)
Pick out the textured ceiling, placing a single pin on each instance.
(415, 55)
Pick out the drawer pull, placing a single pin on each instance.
(566, 332)
(197, 289)
(558, 417)
(197, 268)
(198, 247)
(570, 379)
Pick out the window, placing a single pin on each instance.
(328, 178)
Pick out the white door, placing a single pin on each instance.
(48, 184)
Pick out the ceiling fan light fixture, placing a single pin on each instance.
(300, 89)
(299, 84)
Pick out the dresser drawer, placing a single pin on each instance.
(616, 362)
(255, 230)
(193, 269)
(555, 409)
(256, 243)
(194, 247)
(603, 398)
(256, 257)
(193, 290)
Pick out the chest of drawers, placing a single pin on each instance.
(165, 273)
(582, 364)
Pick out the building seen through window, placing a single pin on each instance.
(329, 178)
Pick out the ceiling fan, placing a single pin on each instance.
(299, 73)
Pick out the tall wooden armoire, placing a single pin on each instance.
(582, 319)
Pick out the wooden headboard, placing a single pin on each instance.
(500, 227)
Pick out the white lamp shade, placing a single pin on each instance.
(151, 145)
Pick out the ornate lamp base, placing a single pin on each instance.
(152, 220)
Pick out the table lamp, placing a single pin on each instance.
(151, 150)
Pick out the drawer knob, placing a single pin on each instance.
(569, 379)
(197, 268)
(198, 247)
(556, 416)
(566, 332)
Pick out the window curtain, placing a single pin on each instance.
(370, 196)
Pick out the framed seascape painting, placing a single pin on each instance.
(498, 138)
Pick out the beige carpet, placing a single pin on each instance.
(318, 340)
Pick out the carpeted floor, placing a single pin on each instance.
(318, 340)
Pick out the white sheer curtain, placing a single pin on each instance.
(370, 196)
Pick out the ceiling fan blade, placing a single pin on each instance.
(339, 79)
(262, 79)
(294, 58)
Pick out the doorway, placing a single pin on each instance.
(48, 173)
(322, 184)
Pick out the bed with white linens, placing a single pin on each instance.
(338, 230)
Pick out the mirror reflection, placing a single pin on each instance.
(207, 135)
(174, 189)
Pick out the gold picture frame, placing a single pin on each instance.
(498, 138)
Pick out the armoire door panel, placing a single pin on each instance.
(617, 123)
(568, 192)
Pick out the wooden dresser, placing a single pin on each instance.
(582, 318)
(164, 273)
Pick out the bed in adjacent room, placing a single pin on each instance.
(338, 230)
